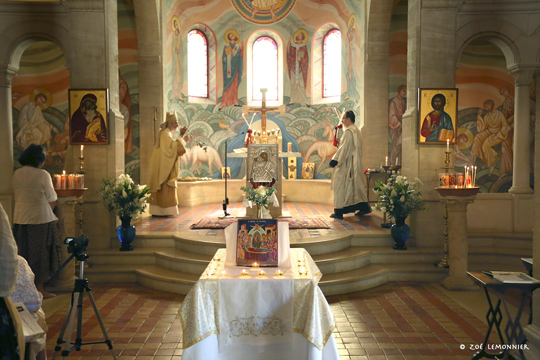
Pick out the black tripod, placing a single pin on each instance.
(81, 285)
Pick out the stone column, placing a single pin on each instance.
(6, 139)
(66, 209)
(522, 156)
(458, 244)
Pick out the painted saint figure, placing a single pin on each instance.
(262, 4)
(397, 108)
(507, 108)
(177, 62)
(492, 130)
(33, 128)
(87, 123)
(125, 109)
(232, 69)
(351, 55)
(436, 120)
(297, 64)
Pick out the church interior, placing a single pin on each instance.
(206, 61)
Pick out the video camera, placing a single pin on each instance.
(77, 246)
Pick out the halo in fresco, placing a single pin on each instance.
(302, 31)
(45, 92)
(231, 31)
(175, 18)
(470, 137)
(269, 11)
(352, 21)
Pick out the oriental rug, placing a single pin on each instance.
(294, 223)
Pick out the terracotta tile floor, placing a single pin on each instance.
(395, 321)
(188, 216)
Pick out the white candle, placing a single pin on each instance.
(82, 148)
(64, 179)
(447, 145)
(386, 161)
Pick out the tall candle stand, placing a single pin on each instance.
(443, 263)
(447, 161)
(80, 199)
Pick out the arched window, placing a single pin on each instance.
(332, 64)
(197, 64)
(265, 68)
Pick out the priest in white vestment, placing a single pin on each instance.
(164, 168)
(347, 182)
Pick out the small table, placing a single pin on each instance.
(513, 330)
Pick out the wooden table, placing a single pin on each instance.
(513, 329)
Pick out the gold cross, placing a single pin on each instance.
(263, 109)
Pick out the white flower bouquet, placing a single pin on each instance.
(399, 197)
(123, 197)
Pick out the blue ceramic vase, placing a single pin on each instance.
(400, 233)
(126, 234)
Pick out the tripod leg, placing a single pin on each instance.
(61, 340)
(67, 340)
(107, 340)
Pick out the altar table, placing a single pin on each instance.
(312, 323)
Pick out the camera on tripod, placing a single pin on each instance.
(77, 246)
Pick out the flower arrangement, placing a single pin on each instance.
(399, 197)
(261, 196)
(123, 196)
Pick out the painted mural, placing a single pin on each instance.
(263, 11)
(486, 116)
(40, 105)
(129, 86)
(40, 99)
(220, 127)
(397, 88)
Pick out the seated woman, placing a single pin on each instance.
(27, 293)
(9, 340)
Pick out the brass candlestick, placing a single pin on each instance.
(444, 261)
(447, 161)
(81, 165)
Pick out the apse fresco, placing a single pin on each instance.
(309, 128)
(40, 105)
(486, 97)
(397, 88)
(129, 86)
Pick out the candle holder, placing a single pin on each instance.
(244, 274)
(279, 273)
(261, 274)
(81, 165)
(443, 263)
(447, 161)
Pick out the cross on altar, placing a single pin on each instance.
(263, 109)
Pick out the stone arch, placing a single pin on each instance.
(499, 32)
(22, 35)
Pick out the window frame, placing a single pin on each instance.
(211, 62)
(317, 65)
(198, 31)
(328, 33)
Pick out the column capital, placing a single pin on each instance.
(523, 75)
(7, 74)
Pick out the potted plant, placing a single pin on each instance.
(127, 200)
(261, 196)
(398, 198)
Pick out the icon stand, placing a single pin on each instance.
(81, 286)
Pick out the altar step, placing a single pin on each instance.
(349, 261)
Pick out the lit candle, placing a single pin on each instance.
(262, 273)
(386, 161)
(71, 181)
(82, 148)
(255, 265)
(447, 145)
(244, 273)
(64, 180)
(279, 273)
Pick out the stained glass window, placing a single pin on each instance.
(197, 64)
(332, 64)
(265, 68)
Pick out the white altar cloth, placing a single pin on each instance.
(313, 321)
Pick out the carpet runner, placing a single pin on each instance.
(297, 223)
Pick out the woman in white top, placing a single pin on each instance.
(35, 226)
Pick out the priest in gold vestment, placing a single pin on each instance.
(164, 168)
